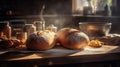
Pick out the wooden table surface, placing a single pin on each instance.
(60, 55)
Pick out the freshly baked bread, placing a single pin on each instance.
(72, 38)
(41, 40)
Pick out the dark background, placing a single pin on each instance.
(33, 7)
(57, 12)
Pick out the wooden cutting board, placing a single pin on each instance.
(10, 55)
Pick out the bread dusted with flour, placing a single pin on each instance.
(72, 38)
(41, 40)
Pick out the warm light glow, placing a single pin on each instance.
(33, 56)
(60, 52)
(102, 50)
(91, 27)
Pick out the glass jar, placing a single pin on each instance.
(29, 28)
(40, 25)
(6, 29)
(52, 28)
(22, 36)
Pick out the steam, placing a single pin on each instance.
(54, 15)
(41, 13)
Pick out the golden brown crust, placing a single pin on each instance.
(72, 38)
(42, 40)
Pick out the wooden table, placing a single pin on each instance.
(60, 55)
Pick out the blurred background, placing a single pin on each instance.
(62, 13)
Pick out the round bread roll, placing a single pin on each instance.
(72, 38)
(42, 40)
